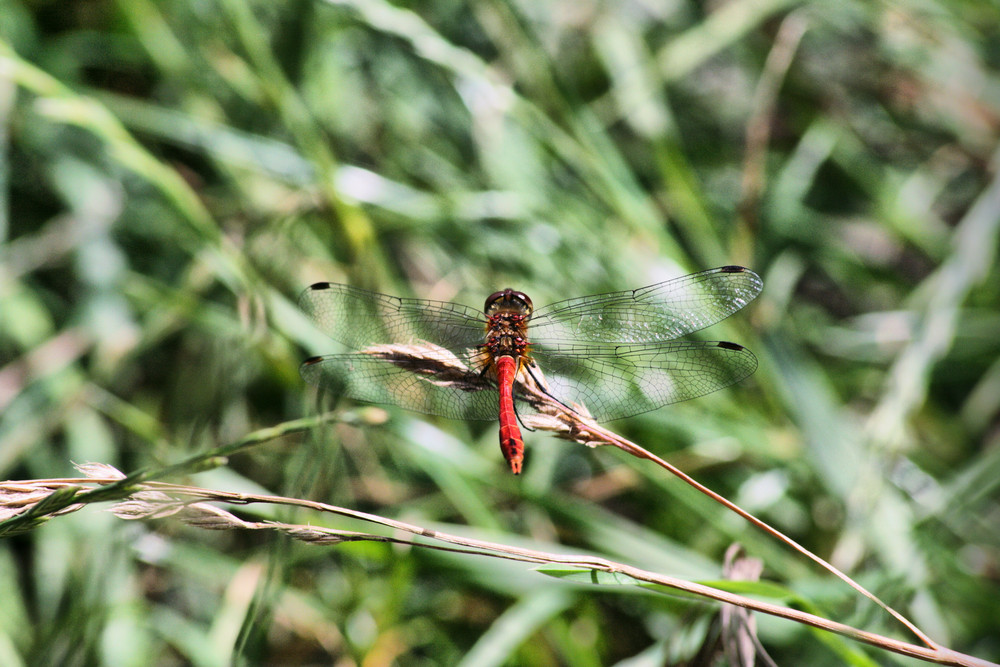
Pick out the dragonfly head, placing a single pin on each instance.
(508, 300)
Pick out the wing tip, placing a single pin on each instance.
(311, 361)
(749, 359)
(755, 285)
(320, 286)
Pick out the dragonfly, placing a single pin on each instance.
(615, 354)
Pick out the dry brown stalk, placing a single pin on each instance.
(191, 505)
(574, 423)
(153, 499)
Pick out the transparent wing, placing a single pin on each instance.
(613, 353)
(655, 313)
(367, 378)
(359, 318)
(617, 381)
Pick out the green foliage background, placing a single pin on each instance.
(173, 173)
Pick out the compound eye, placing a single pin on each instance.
(523, 298)
(508, 299)
(492, 299)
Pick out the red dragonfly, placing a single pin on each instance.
(613, 353)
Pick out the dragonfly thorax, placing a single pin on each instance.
(507, 323)
(506, 334)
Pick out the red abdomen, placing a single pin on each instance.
(511, 443)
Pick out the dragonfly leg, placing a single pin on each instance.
(521, 421)
(543, 386)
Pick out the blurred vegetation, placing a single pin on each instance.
(173, 173)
